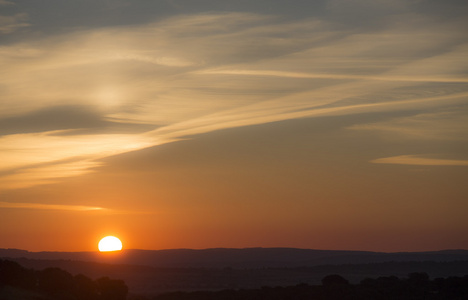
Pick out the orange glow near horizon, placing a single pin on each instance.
(326, 124)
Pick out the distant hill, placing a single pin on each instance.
(239, 258)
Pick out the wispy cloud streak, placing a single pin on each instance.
(193, 74)
(419, 161)
(331, 76)
(50, 207)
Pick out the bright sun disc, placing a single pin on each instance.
(110, 243)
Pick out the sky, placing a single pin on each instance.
(328, 124)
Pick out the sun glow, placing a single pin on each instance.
(110, 243)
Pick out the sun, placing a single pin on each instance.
(110, 243)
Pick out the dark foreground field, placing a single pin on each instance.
(19, 283)
(236, 271)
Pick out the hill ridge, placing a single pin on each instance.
(257, 257)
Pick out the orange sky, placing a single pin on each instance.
(326, 125)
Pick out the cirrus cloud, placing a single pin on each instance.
(419, 161)
(192, 74)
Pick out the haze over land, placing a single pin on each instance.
(325, 124)
(152, 272)
(248, 258)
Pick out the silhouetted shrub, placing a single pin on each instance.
(418, 278)
(334, 279)
(55, 280)
(13, 274)
(56, 284)
(416, 286)
(85, 288)
(111, 289)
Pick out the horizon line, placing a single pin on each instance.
(235, 248)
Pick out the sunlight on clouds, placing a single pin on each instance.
(164, 60)
(419, 161)
(296, 107)
(46, 174)
(429, 126)
(9, 24)
(451, 65)
(370, 4)
(22, 150)
(193, 74)
(49, 206)
(108, 96)
(193, 25)
(333, 76)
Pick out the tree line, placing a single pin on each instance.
(58, 284)
(417, 286)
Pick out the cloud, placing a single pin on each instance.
(192, 74)
(6, 3)
(164, 61)
(370, 4)
(46, 174)
(54, 118)
(294, 107)
(50, 206)
(22, 150)
(332, 76)
(10, 24)
(419, 161)
(437, 126)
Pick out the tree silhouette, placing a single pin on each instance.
(13, 274)
(111, 289)
(334, 279)
(85, 288)
(56, 284)
(55, 281)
